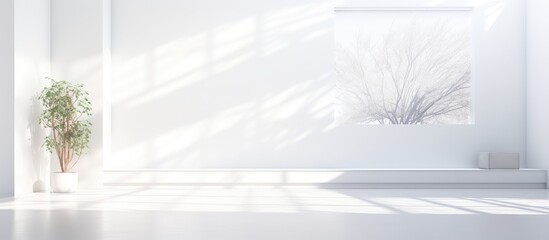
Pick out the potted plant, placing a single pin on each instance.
(65, 104)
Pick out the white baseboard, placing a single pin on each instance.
(336, 178)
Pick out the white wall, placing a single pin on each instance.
(538, 83)
(6, 97)
(76, 54)
(248, 84)
(32, 64)
(250, 87)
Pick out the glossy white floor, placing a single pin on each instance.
(277, 213)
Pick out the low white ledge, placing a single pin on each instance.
(350, 178)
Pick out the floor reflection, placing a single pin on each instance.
(222, 212)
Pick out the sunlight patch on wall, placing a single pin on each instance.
(192, 90)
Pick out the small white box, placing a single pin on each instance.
(498, 160)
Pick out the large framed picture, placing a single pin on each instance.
(403, 66)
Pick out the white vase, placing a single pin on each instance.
(44, 176)
(64, 182)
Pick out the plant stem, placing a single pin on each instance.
(59, 157)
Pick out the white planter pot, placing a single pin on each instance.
(64, 182)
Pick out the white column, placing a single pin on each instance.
(538, 83)
(6, 97)
(32, 65)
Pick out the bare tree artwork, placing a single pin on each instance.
(411, 73)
